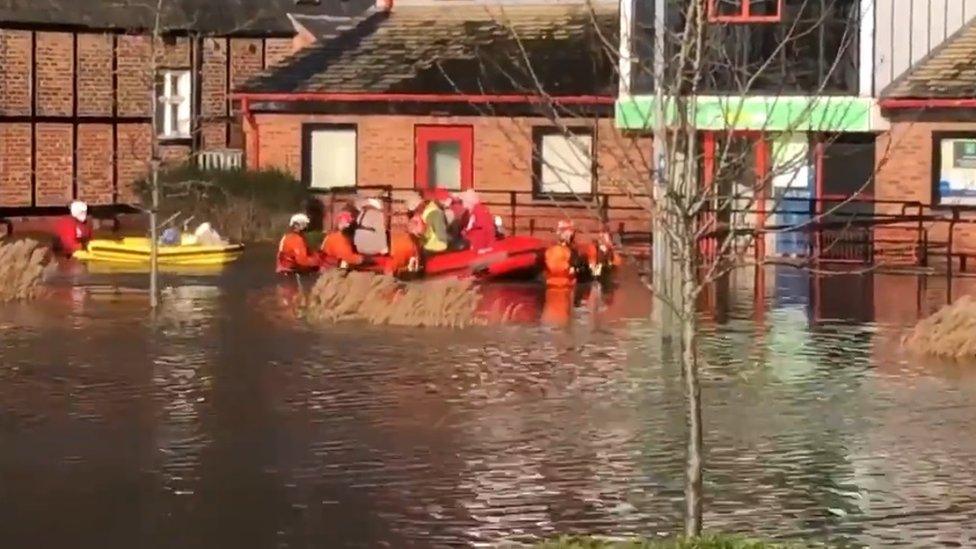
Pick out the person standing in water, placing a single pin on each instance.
(337, 248)
(293, 254)
(72, 232)
(561, 259)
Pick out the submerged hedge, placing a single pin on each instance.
(243, 205)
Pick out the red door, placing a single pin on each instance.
(444, 157)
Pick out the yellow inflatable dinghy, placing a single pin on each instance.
(135, 250)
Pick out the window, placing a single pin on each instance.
(563, 162)
(329, 156)
(173, 100)
(444, 157)
(954, 169)
(745, 11)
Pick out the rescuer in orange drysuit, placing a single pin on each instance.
(561, 259)
(337, 248)
(602, 255)
(293, 254)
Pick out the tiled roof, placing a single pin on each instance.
(207, 16)
(461, 47)
(948, 72)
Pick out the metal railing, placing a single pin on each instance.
(220, 159)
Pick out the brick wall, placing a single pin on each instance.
(15, 164)
(503, 151)
(97, 163)
(54, 67)
(904, 172)
(54, 163)
(95, 75)
(15, 78)
(95, 159)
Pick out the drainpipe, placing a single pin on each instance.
(254, 160)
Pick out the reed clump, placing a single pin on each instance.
(950, 333)
(22, 266)
(382, 300)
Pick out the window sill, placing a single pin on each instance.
(346, 190)
(174, 140)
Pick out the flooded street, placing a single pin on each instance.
(227, 422)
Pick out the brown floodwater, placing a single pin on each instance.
(225, 421)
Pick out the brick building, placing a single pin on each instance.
(514, 100)
(929, 153)
(76, 89)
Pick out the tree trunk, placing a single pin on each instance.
(689, 366)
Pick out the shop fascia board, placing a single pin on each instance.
(759, 113)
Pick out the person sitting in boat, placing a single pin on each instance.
(602, 254)
(293, 253)
(480, 229)
(561, 258)
(456, 216)
(436, 239)
(370, 231)
(72, 232)
(337, 248)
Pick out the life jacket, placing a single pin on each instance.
(432, 242)
(560, 260)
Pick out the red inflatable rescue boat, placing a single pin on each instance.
(512, 256)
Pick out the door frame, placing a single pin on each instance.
(761, 160)
(424, 134)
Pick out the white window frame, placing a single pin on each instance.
(319, 180)
(174, 90)
(581, 148)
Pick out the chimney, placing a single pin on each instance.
(384, 5)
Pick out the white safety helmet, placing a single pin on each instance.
(299, 220)
(79, 210)
(375, 203)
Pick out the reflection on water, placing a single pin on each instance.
(222, 421)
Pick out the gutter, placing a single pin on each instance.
(427, 98)
(927, 103)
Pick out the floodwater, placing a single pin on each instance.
(224, 421)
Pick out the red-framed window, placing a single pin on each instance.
(444, 157)
(745, 11)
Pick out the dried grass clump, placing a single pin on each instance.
(950, 333)
(378, 299)
(22, 265)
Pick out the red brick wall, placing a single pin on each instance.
(133, 146)
(95, 163)
(95, 75)
(214, 93)
(15, 78)
(54, 66)
(133, 75)
(502, 152)
(15, 164)
(904, 159)
(276, 50)
(53, 164)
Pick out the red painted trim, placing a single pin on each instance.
(708, 166)
(762, 179)
(927, 103)
(428, 98)
(744, 15)
(425, 135)
(818, 156)
(253, 162)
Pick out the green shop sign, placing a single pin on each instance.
(775, 114)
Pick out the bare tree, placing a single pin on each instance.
(709, 201)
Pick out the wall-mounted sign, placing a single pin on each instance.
(957, 171)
